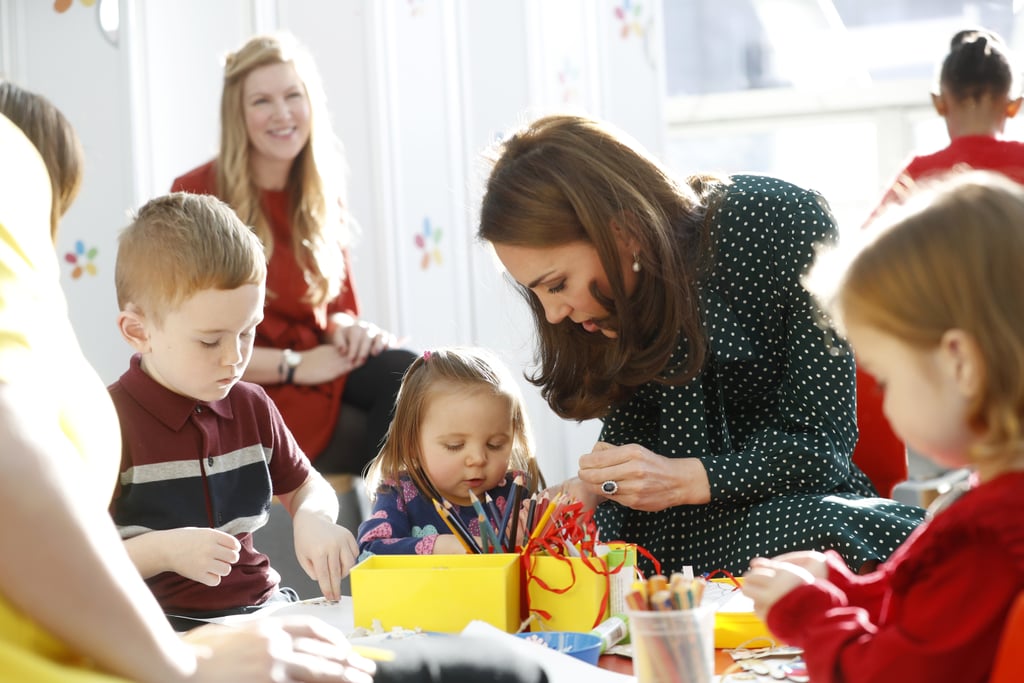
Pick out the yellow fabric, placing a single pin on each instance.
(39, 352)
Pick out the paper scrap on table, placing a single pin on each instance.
(726, 598)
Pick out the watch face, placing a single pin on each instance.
(292, 358)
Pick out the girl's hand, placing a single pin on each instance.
(448, 544)
(811, 560)
(646, 481)
(767, 581)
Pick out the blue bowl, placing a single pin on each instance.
(582, 646)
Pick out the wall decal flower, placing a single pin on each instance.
(61, 6)
(82, 260)
(428, 241)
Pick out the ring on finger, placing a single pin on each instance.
(610, 487)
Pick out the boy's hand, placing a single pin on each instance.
(767, 581)
(325, 550)
(203, 555)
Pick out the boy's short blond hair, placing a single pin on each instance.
(180, 244)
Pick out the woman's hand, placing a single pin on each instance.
(645, 480)
(767, 581)
(577, 489)
(322, 364)
(357, 340)
(276, 650)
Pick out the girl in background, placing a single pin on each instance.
(281, 169)
(460, 426)
(977, 91)
(928, 302)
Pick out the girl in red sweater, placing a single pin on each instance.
(929, 298)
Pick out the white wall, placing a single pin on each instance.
(417, 88)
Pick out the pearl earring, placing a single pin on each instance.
(636, 262)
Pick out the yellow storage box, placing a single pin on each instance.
(735, 621)
(437, 592)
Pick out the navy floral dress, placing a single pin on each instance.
(772, 415)
(405, 522)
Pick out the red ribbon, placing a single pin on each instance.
(571, 526)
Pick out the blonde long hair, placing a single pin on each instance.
(320, 223)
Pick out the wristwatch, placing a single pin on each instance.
(289, 361)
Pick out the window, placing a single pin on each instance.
(830, 95)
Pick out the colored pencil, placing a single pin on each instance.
(487, 536)
(517, 502)
(453, 515)
(495, 517)
(448, 522)
(504, 536)
(486, 532)
(545, 516)
(530, 511)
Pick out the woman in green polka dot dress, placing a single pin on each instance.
(673, 310)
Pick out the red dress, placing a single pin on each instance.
(289, 322)
(932, 613)
(879, 452)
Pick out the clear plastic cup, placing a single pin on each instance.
(673, 646)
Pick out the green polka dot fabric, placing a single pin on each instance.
(772, 415)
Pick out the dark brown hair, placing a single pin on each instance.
(567, 179)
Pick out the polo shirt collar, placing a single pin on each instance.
(170, 407)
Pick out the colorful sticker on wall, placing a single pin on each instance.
(428, 241)
(61, 6)
(636, 22)
(415, 7)
(81, 260)
(631, 15)
(569, 81)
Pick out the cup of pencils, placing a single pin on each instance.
(673, 636)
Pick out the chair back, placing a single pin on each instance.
(1007, 667)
